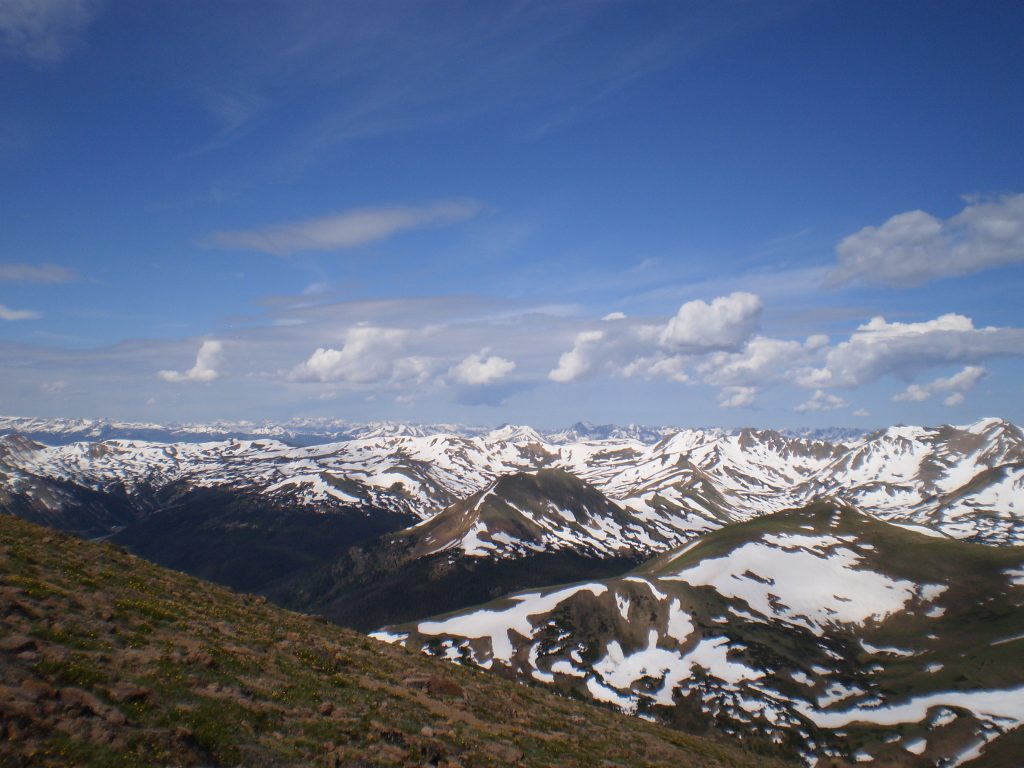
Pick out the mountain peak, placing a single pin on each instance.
(524, 512)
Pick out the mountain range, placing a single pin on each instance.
(766, 584)
(957, 480)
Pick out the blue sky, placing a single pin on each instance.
(487, 212)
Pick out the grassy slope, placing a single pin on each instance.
(110, 660)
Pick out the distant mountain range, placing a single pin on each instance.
(304, 432)
(795, 563)
(957, 480)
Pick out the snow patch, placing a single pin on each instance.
(495, 624)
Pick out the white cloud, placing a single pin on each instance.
(862, 413)
(956, 386)
(20, 272)
(370, 355)
(347, 229)
(737, 397)
(821, 401)
(666, 350)
(659, 366)
(761, 361)
(580, 359)
(477, 371)
(43, 31)
(915, 247)
(725, 323)
(205, 369)
(879, 348)
(6, 313)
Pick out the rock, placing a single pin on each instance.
(17, 644)
(127, 692)
(435, 685)
(36, 689)
(326, 708)
(505, 752)
(76, 697)
(12, 706)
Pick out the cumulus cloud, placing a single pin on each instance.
(915, 247)
(370, 355)
(580, 359)
(205, 369)
(666, 350)
(879, 348)
(478, 370)
(6, 313)
(19, 272)
(725, 323)
(43, 31)
(761, 361)
(737, 397)
(347, 229)
(821, 401)
(955, 387)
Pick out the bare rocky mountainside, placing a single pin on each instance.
(827, 597)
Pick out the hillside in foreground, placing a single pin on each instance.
(110, 660)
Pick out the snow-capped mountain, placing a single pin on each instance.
(820, 631)
(544, 511)
(297, 432)
(823, 631)
(302, 432)
(963, 481)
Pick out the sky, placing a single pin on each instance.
(770, 214)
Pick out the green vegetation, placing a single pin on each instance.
(109, 660)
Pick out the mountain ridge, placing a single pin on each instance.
(685, 484)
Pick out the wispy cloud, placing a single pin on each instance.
(6, 313)
(737, 397)
(20, 272)
(347, 229)
(43, 31)
(955, 387)
(821, 401)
